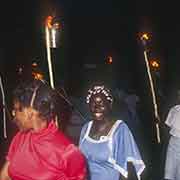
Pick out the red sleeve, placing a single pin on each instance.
(12, 147)
(76, 165)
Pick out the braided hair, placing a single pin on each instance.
(37, 95)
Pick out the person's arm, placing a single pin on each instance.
(4, 172)
(76, 165)
(131, 173)
(122, 177)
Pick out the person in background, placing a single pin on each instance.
(172, 163)
(108, 144)
(40, 150)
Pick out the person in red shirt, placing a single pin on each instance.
(40, 151)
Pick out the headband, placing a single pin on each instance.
(99, 90)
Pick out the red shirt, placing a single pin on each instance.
(46, 155)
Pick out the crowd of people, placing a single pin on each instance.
(108, 148)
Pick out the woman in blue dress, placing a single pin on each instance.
(107, 145)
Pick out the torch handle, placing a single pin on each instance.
(49, 57)
(4, 109)
(153, 96)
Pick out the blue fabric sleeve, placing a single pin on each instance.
(125, 150)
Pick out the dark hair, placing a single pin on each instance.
(43, 101)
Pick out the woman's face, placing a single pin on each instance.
(21, 117)
(99, 106)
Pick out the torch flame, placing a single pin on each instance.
(49, 22)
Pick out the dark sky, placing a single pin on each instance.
(93, 29)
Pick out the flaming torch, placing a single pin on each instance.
(52, 33)
(144, 38)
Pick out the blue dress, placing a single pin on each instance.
(107, 157)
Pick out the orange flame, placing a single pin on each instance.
(49, 22)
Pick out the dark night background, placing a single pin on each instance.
(93, 30)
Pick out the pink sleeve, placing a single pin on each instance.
(12, 147)
(76, 165)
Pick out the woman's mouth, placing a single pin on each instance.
(98, 114)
